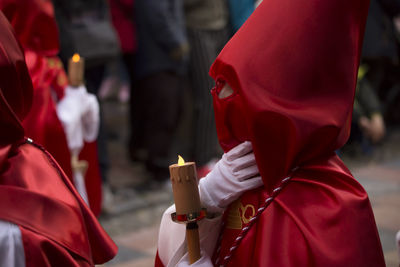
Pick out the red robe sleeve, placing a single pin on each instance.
(57, 227)
(42, 123)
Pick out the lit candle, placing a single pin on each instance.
(184, 186)
(76, 67)
(187, 203)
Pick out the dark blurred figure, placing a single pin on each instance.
(381, 56)
(120, 73)
(86, 29)
(368, 126)
(123, 18)
(208, 30)
(378, 88)
(160, 66)
(122, 15)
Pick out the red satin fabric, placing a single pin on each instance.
(42, 123)
(57, 227)
(293, 69)
(122, 18)
(229, 117)
(15, 88)
(158, 262)
(321, 218)
(34, 24)
(36, 29)
(92, 177)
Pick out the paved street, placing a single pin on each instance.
(133, 220)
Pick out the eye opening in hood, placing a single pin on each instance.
(223, 90)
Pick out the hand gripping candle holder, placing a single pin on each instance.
(187, 202)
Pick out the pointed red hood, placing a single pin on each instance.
(294, 65)
(15, 86)
(34, 24)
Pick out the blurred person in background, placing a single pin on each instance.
(36, 28)
(86, 29)
(207, 23)
(121, 72)
(380, 58)
(368, 126)
(160, 68)
(378, 87)
(116, 82)
(43, 220)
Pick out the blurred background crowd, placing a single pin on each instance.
(153, 56)
(147, 63)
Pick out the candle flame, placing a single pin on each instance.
(181, 161)
(76, 57)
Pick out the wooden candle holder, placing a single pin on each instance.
(184, 186)
(187, 202)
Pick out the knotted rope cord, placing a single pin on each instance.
(246, 229)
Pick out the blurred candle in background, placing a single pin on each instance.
(76, 67)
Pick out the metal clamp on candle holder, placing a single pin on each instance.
(190, 217)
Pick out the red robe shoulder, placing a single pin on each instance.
(57, 227)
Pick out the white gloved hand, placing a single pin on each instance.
(171, 244)
(234, 174)
(78, 111)
(90, 117)
(204, 261)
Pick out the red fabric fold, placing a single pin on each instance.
(34, 24)
(45, 201)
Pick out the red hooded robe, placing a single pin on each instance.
(293, 68)
(57, 227)
(36, 29)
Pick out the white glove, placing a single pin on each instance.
(204, 261)
(234, 174)
(171, 239)
(78, 111)
(90, 117)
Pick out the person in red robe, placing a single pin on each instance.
(284, 94)
(36, 29)
(43, 220)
